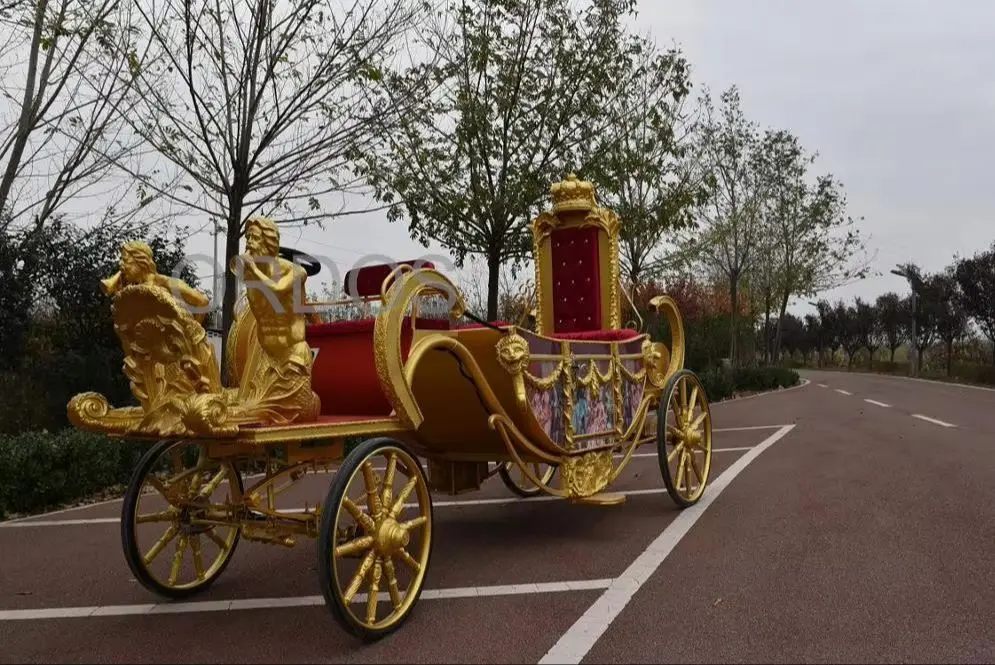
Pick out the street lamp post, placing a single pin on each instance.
(914, 346)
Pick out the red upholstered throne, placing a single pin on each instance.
(577, 269)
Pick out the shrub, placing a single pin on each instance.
(42, 470)
(718, 383)
(722, 384)
(764, 378)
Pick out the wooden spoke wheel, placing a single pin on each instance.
(375, 539)
(175, 526)
(684, 438)
(515, 479)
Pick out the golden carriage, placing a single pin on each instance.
(565, 406)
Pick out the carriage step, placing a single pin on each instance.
(601, 499)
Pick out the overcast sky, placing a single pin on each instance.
(897, 97)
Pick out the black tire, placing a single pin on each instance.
(509, 482)
(661, 439)
(129, 538)
(327, 540)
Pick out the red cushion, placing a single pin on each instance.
(369, 279)
(345, 373)
(576, 279)
(619, 335)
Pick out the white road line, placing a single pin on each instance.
(932, 420)
(575, 644)
(33, 520)
(301, 601)
(822, 385)
(877, 403)
(843, 392)
(435, 504)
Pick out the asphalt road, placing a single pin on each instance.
(848, 520)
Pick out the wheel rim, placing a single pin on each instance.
(383, 542)
(688, 438)
(180, 491)
(517, 476)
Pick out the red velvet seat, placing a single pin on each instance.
(611, 335)
(345, 373)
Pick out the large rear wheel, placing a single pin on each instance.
(375, 538)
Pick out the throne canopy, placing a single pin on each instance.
(576, 255)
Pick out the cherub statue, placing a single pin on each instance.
(137, 266)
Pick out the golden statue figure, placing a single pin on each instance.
(138, 267)
(172, 367)
(168, 360)
(279, 371)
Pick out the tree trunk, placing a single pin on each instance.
(950, 356)
(768, 349)
(733, 319)
(493, 284)
(870, 358)
(232, 238)
(893, 354)
(24, 122)
(780, 319)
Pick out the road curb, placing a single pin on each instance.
(802, 383)
(936, 382)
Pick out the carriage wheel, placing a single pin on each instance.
(375, 538)
(515, 479)
(175, 485)
(684, 438)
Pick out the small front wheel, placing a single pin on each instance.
(523, 486)
(684, 438)
(184, 499)
(375, 537)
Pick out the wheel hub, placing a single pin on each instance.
(391, 537)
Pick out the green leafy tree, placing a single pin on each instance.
(793, 336)
(262, 107)
(730, 221)
(813, 337)
(809, 243)
(894, 319)
(644, 165)
(976, 279)
(521, 96)
(850, 330)
(951, 318)
(924, 307)
(832, 321)
(867, 324)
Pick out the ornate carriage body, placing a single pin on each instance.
(572, 399)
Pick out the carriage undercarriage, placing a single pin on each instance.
(376, 517)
